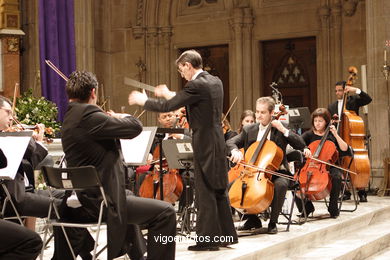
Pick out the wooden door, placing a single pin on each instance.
(291, 63)
(216, 62)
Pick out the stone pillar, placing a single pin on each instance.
(378, 32)
(84, 35)
(324, 61)
(10, 34)
(336, 53)
(247, 59)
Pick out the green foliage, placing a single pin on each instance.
(31, 110)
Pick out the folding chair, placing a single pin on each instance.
(296, 158)
(73, 179)
(8, 199)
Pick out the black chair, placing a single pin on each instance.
(295, 157)
(73, 179)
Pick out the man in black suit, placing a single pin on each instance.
(31, 202)
(16, 242)
(265, 107)
(90, 137)
(203, 98)
(358, 99)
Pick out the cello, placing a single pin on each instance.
(351, 130)
(172, 182)
(314, 176)
(253, 191)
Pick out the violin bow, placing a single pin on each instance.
(53, 67)
(230, 108)
(140, 114)
(14, 100)
(330, 164)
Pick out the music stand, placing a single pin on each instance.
(179, 155)
(135, 152)
(299, 118)
(14, 146)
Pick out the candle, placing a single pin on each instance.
(385, 57)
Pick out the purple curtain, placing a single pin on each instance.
(57, 44)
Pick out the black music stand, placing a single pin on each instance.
(179, 155)
(160, 135)
(299, 118)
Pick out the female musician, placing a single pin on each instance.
(227, 129)
(320, 119)
(281, 136)
(247, 117)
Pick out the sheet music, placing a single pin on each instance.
(136, 150)
(14, 148)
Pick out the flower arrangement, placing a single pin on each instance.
(31, 110)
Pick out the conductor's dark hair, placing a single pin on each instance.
(341, 83)
(80, 85)
(191, 56)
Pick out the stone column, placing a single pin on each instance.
(378, 32)
(247, 59)
(84, 35)
(336, 54)
(324, 60)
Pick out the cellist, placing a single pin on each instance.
(320, 119)
(279, 134)
(358, 99)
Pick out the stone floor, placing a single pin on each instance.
(284, 244)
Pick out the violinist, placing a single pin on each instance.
(358, 99)
(227, 129)
(247, 117)
(17, 242)
(28, 201)
(90, 137)
(265, 107)
(320, 119)
(203, 98)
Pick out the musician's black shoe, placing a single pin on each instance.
(362, 196)
(308, 212)
(203, 247)
(272, 228)
(252, 223)
(226, 244)
(334, 213)
(347, 195)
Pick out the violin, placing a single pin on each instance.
(172, 182)
(181, 118)
(314, 176)
(253, 191)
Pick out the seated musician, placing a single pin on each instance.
(281, 136)
(30, 202)
(16, 242)
(227, 129)
(320, 119)
(89, 137)
(247, 117)
(354, 102)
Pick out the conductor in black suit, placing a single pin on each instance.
(203, 98)
(358, 99)
(90, 137)
(281, 136)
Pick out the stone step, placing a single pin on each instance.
(317, 233)
(381, 255)
(360, 244)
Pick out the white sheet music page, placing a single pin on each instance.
(14, 148)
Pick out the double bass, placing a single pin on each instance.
(351, 130)
(253, 191)
(314, 177)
